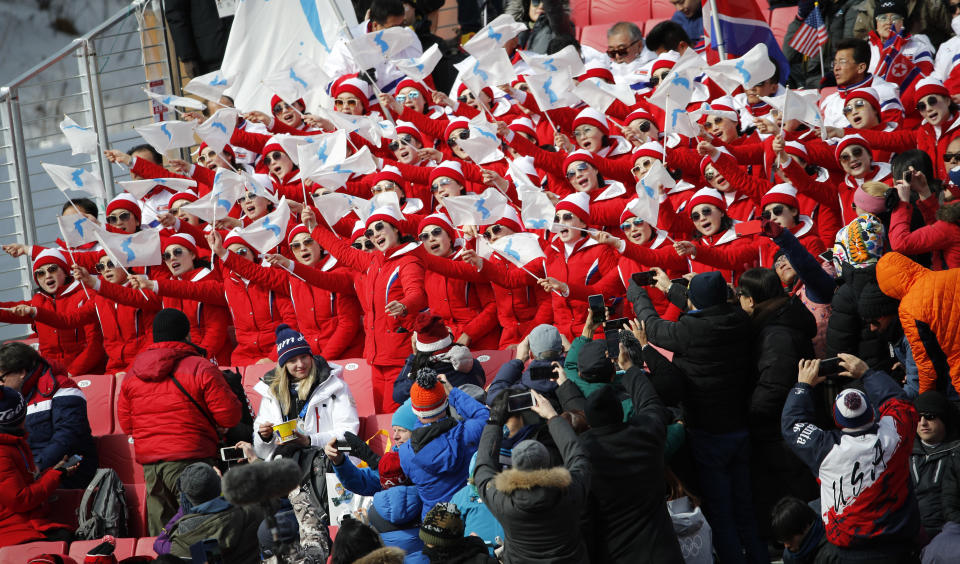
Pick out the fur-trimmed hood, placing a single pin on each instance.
(511, 480)
(385, 555)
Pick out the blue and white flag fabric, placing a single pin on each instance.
(655, 182)
(551, 91)
(375, 48)
(168, 135)
(218, 128)
(137, 249)
(83, 140)
(799, 105)
(476, 209)
(259, 184)
(209, 86)
(566, 59)
(679, 85)
(335, 205)
(296, 81)
(68, 178)
(493, 36)
(536, 209)
(270, 230)
(77, 229)
(493, 67)
(747, 71)
(140, 188)
(519, 248)
(421, 67)
(174, 102)
(599, 94)
(227, 189)
(314, 154)
(483, 145)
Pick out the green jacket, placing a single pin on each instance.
(235, 527)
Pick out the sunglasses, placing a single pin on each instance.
(243, 251)
(465, 98)
(579, 167)
(931, 101)
(564, 217)
(655, 79)
(103, 266)
(644, 126)
(304, 243)
(462, 135)
(707, 212)
(352, 102)
(929, 416)
(378, 227)
(710, 176)
(583, 131)
(411, 96)
(434, 188)
(247, 196)
(854, 153)
(491, 231)
(387, 186)
(405, 139)
(635, 222)
(615, 52)
(282, 106)
(855, 105)
(523, 87)
(272, 157)
(717, 121)
(176, 253)
(122, 216)
(948, 157)
(50, 270)
(774, 211)
(435, 232)
(368, 245)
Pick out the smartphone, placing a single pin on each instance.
(908, 176)
(542, 372)
(613, 342)
(343, 446)
(643, 278)
(595, 302)
(231, 454)
(73, 460)
(615, 324)
(827, 255)
(748, 227)
(519, 402)
(830, 366)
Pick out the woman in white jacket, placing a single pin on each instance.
(306, 388)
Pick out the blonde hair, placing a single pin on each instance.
(280, 386)
(875, 189)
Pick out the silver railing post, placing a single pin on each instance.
(22, 181)
(87, 60)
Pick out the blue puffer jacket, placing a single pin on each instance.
(513, 373)
(477, 518)
(437, 456)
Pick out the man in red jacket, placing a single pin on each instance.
(173, 402)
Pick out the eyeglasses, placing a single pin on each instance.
(853, 153)
(781, 262)
(351, 102)
(717, 121)
(413, 95)
(889, 18)
(435, 232)
(655, 79)
(368, 245)
(710, 176)
(583, 131)
(579, 167)
(643, 166)
(855, 105)
(405, 139)
(49, 271)
(176, 253)
(247, 196)
(385, 186)
(774, 211)
(615, 52)
(272, 157)
(929, 416)
(378, 227)
(644, 126)
(434, 188)
(296, 246)
(281, 107)
(122, 216)
(635, 222)
(562, 217)
(931, 102)
(243, 251)
(492, 230)
(523, 87)
(705, 213)
(464, 134)
(466, 98)
(103, 266)
(949, 157)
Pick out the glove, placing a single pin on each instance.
(634, 291)
(362, 450)
(771, 228)
(498, 409)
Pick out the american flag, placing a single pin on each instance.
(811, 35)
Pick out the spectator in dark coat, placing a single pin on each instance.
(711, 345)
(935, 451)
(536, 504)
(199, 34)
(541, 347)
(57, 423)
(797, 526)
(435, 348)
(627, 511)
(943, 549)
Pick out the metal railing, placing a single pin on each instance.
(98, 80)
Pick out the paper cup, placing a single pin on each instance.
(285, 431)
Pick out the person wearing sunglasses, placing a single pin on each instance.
(933, 460)
(77, 348)
(389, 283)
(180, 199)
(715, 246)
(911, 51)
(446, 179)
(123, 214)
(70, 209)
(722, 121)
(278, 164)
(583, 176)
(390, 179)
(287, 114)
(862, 108)
(351, 96)
(781, 206)
(641, 127)
(413, 94)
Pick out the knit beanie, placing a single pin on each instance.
(530, 455)
(707, 289)
(934, 402)
(170, 324)
(13, 410)
(849, 140)
(404, 417)
(442, 525)
(930, 85)
(593, 364)
(428, 398)
(891, 7)
(51, 256)
(430, 333)
(852, 411)
(860, 243)
(874, 304)
(200, 483)
(544, 338)
(127, 202)
(290, 344)
(604, 408)
(391, 474)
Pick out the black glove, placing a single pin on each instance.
(634, 291)
(362, 450)
(498, 409)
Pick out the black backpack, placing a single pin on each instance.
(103, 508)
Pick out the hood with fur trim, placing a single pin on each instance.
(385, 555)
(512, 480)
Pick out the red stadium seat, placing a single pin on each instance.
(125, 548)
(145, 547)
(22, 552)
(580, 13)
(660, 10)
(607, 12)
(827, 91)
(98, 389)
(653, 22)
(116, 451)
(780, 20)
(63, 505)
(357, 375)
(118, 381)
(369, 431)
(136, 508)
(492, 361)
(595, 36)
(252, 375)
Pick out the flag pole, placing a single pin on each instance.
(715, 20)
(816, 6)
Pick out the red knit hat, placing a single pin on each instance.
(455, 124)
(866, 93)
(274, 100)
(391, 173)
(411, 83)
(578, 204)
(523, 125)
(511, 219)
(390, 471)
(125, 202)
(439, 220)
(235, 237)
(428, 398)
(272, 144)
(627, 212)
(640, 113)
(930, 85)
(781, 194)
(409, 129)
(486, 90)
(722, 106)
(595, 69)
(796, 149)
(185, 240)
(185, 195)
(450, 169)
(350, 84)
(345, 225)
(430, 334)
(651, 149)
(666, 60)
(705, 161)
(227, 149)
(51, 256)
(851, 140)
(580, 155)
(386, 214)
(707, 196)
(590, 116)
(297, 230)
(359, 228)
